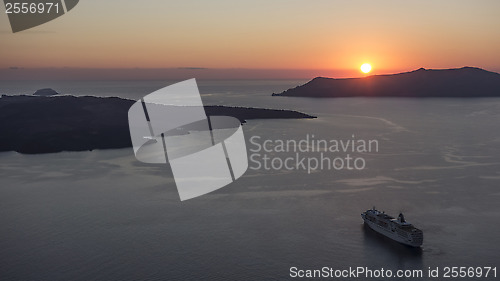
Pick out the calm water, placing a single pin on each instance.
(102, 215)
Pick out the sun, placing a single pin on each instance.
(366, 67)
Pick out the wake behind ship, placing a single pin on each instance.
(396, 229)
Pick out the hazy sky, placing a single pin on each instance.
(341, 35)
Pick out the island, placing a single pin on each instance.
(465, 82)
(45, 92)
(46, 124)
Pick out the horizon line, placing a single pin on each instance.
(202, 73)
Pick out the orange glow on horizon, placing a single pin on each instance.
(321, 38)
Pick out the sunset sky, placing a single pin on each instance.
(337, 36)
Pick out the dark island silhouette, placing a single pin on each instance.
(466, 82)
(46, 124)
(45, 92)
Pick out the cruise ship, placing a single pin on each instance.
(397, 229)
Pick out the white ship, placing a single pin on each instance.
(397, 229)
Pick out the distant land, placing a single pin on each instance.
(466, 82)
(45, 92)
(45, 124)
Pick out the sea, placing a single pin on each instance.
(103, 215)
